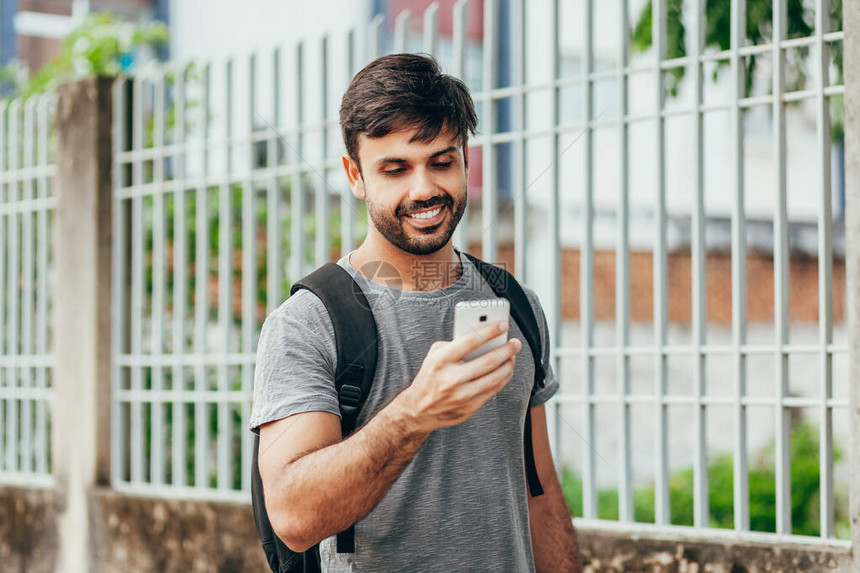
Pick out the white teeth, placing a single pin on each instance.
(427, 214)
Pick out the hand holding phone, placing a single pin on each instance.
(448, 389)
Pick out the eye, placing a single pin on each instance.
(443, 164)
(393, 172)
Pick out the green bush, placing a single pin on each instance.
(805, 491)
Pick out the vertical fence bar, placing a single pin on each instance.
(118, 419)
(431, 29)
(13, 302)
(555, 315)
(4, 309)
(27, 292)
(701, 508)
(201, 289)
(739, 314)
(137, 258)
(586, 268)
(347, 199)
(159, 280)
(180, 288)
(321, 194)
(661, 446)
(518, 111)
(489, 195)
(225, 278)
(249, 274)
(374, 37)
(4, 312)
(825, 271)
(274, 268)
(43, 229)
(401, 30)
(782, 454)
(458, 68)
(297, 190)
(851, 44)
(622, 277)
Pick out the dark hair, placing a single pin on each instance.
(400, 90)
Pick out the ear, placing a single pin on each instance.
(466, 157)
(353, 173)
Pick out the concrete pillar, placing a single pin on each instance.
(81, 410)
(851, 26)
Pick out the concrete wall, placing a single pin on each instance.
(138, 534)
(616, 552)
(142, 534)
(28, 530)
(130, 534)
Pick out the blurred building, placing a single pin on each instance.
(7, 31)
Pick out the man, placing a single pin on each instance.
(433, 478)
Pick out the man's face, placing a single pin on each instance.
(416, 192)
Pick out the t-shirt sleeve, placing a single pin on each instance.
(550, 386)
(296, 362)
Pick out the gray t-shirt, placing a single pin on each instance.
(461, 504)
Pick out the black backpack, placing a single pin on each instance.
(356, 339)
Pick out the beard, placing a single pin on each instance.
(394, 227)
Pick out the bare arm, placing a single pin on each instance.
(317, 485)
(553, 536)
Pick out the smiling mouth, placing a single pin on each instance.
(427, 214)
(427, 217)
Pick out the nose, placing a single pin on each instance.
(423, 186)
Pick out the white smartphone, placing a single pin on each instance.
(471, 315)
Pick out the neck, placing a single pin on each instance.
(419, 272)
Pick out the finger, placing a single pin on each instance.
(492, 383)
(496, 350)
(499, 354)
(438, 344)
(491, 360)
(463, 345)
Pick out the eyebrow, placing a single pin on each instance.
(385, 160)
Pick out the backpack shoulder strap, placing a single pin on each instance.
(504, 285)
(357, 340)
(355, 336)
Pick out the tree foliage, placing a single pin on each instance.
(101, 45)
(758, 30)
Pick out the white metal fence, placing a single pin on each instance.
(228, 187)
(26, 216)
